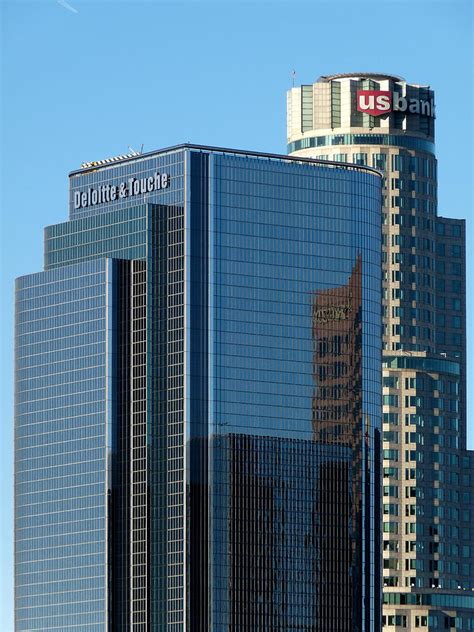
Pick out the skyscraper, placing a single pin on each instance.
(428, 475)
(198, 408)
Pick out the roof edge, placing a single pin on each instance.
(227, 150)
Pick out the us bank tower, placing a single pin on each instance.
(428, 476)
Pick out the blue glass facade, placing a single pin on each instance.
(63, 436)
(285, 256)
(236, 381)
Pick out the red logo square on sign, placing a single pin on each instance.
(374, 102)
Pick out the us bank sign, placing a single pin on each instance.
(382, 102)
(126, 189)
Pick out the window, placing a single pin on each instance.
(390, 545)
(414, 382)
(390, 472)
(391, 563)
(421, 621)
(359, 159)
(390, 382)
(390, 418)
(379, 161)
(414, 400)
(390, 400)
(456, 286)
(401, 163)
(455, 250)
(306, 108)
(389, 581)
(399, 620)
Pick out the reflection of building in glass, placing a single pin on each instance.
(168, 473)
(428, 476)
(337, 413)
(337, 336)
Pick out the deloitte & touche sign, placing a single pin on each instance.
(126, 189)
(382, 102)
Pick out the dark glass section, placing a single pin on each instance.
(119, 599)
(158, 373)
(129, 515)
(198, 399)
(451, 301)
(285, 535)
(138, 451)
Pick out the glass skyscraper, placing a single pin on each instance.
(198, 400)
(428, 474)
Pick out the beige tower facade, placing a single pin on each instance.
(428, 474)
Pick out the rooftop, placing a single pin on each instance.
(117, 160)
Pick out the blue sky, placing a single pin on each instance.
(86, 80)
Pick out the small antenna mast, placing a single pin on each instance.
(135, 152)
(293, 76)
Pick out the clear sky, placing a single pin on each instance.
(85, 80)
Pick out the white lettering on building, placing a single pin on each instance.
(109, 192)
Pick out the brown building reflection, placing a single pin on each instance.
(337, 361)
(337, 421)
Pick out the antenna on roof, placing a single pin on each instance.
(135, 152)
(293, 76)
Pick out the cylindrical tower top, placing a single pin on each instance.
(377, 105)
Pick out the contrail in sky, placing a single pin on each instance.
(64, 4)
